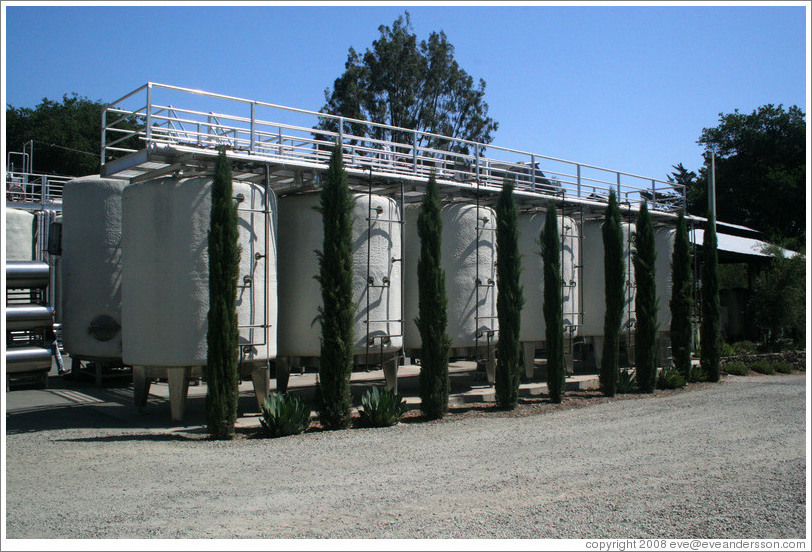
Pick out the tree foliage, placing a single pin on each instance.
(681, 298)
(222, 363)
(614, 290)
(66, 134)
(337, 310)
(509, 299)
(553, 304)
(645, 302)
(779, 299)
(432, 308)
(415, 85)
(710, 330)
(760, 172)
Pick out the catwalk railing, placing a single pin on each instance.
(163, 115)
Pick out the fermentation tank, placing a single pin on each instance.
(594, 298)
(468, 254)
(533, 326)
(664, 246)
(376, 283)
(91, 268)
(19, 235)
(166, 277)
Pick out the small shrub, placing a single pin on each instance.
(745, 348)
(382, 407)
(626, 382)
(670, 378)
(728, 350)
(283, 414)
(737, 368)
(698, 374)
(782, 367)
(762, 367)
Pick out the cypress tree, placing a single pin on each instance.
(337, 310)
(553, 304)
(710, 333)
(645, 302)
(509, 299)
(222, 337)
(432, 308)
(681, 298)
(615, 286)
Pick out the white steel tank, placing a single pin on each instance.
(664, 246)
(376, 246)
(469, 322)
(20, 235)
(166, 272)
(91, 267)
(533, 326)
(594, 307)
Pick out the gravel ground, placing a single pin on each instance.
(721, 461)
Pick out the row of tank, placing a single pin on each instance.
(134, 277)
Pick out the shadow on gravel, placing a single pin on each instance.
(157, 437)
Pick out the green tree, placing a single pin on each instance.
(779, 299)
(222, 362)
(553, 304)
(432, 308)
(681, 298)
(403, 83)
(337, 310)
(645, 302)
(710, 330)
(614, 290)
(760, 172)
(509, 299)
(66, 134)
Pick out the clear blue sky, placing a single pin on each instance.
(623, 87)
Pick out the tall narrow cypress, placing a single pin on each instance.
(222, 337)
(553, 304)
(681, 298)
(509, 299)
(432, 308)
(645, 302)
(614, 288)
(337, 310)
(710, 333)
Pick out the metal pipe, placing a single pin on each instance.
(27, 274)
(28, 317)
(29, 358)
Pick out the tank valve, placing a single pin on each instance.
(371, 281)
(239, 198)
(385, 281)
(247, 281)
(258, 256)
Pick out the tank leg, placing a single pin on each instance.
(140, 386)
(529, 358)
(597, 349)
(490, 366)
(178, 378)
(568, 356)
(282, 374)
(262, 384)
(390, 372)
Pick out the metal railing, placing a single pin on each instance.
(25, 188)
(163, 115)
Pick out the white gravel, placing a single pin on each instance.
(727, 461)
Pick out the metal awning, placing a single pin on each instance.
(738, 245)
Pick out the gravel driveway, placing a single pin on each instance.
(724, 461)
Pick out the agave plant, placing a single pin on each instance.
(283, 414)
(670, 378)
(382, 407)
(626, 381)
